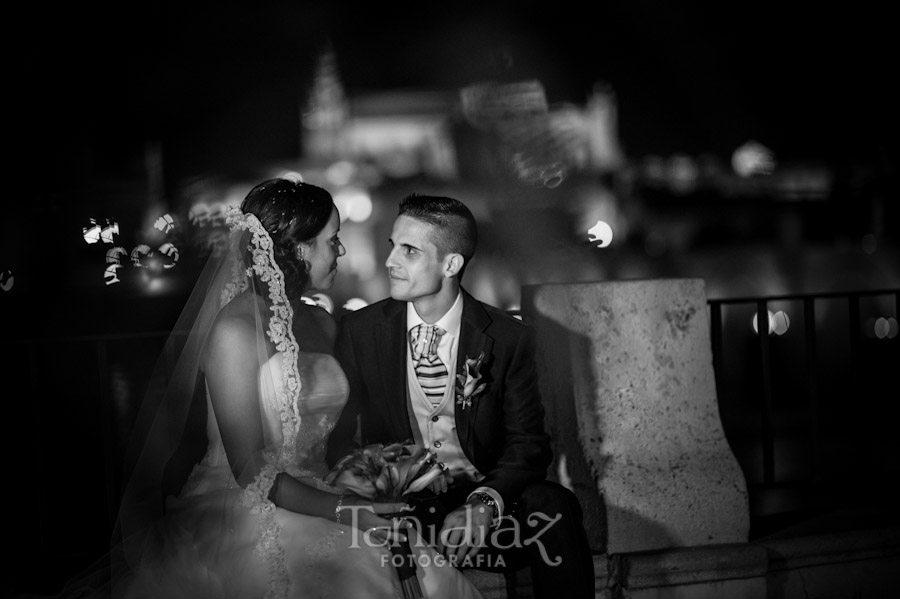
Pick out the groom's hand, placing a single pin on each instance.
(440, 484)
(465, 531)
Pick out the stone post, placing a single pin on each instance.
(627, 380)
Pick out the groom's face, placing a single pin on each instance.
(414, 267)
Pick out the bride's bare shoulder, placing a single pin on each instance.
(236, 323)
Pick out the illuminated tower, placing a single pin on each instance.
(325, 113)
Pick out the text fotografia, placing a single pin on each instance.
(507, 534)
(480, 560)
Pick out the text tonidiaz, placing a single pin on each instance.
(506, 535)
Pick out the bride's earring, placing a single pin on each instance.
(305, 263)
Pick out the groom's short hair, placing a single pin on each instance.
(454, 223)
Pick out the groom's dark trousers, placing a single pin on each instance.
(543, 530)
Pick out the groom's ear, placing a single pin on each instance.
(453, 264)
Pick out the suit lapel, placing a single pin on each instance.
(472, 341)
(390, 334)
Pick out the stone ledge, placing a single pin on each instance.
(689, 565)
(713, 565)
(830, 548)
(742, 570)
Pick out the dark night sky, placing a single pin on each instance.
(690, 76)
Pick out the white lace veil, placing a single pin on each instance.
(242, 284)
(168, 448)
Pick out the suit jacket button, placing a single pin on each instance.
(434, 418)
(437, 443)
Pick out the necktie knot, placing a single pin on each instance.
(430, 371)
(424, 340)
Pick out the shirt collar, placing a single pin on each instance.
(449, 322)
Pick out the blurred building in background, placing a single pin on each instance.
(556, 192)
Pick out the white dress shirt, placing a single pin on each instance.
(437, 424)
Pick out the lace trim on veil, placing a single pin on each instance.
(282, 336)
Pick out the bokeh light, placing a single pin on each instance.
(217, 214)
(139, 254)
(153, 284)
(353, 204)
(353, 304)
(169, 250)
(600, 234)
(109, 230)
(340, 173)
(531, 171)
(323, 301)
(653, 169)
(753, 158)
(110, 275)
(804, 182)
(91, 233)
(199, 215)
(291, 176)
(95, 232)
(684, 174)
(885, 328)
(114, 255)
(7, 280)
(202, 215)
(778, 322)
(164, 223)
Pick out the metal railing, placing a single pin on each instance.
(819, 384)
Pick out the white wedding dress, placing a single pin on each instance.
(208, 545)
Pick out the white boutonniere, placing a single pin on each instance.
(468, 385)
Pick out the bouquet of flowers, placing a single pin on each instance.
(386, 473)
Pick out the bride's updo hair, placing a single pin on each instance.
(292, 212)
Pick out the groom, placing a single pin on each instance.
(482, 416)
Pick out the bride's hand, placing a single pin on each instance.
(367, 517)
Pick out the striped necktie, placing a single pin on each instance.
(430, 371)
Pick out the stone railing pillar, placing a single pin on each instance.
(627, 379)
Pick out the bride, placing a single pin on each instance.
(254, 517)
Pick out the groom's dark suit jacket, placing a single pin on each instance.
(502, 432)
